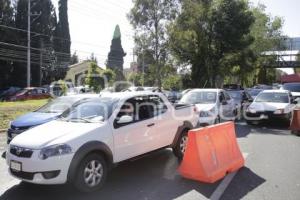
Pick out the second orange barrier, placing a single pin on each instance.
(211, 153)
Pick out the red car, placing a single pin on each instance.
(30, 93)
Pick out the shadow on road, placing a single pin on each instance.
(266, 127)
(243, 183)
(151, 177)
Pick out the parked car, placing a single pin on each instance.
(8, 92)
(82, 145)
(242, 100)
(254, 92)
(213, 105)
(294, 88)
(29, 93)
(232, 87)
(270, 105)
(46, 113)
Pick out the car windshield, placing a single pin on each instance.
(58, 105)
(273, 97)
(292, 87)
(201, 97)
(236, 95)
(254, 92)
(95, 110)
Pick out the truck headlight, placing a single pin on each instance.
(251, 110)
(279, 111)
(54, 150)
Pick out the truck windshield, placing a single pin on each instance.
(89, 111)
(201, 97)
(273, 97)
(58, 105)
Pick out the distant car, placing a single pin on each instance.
(30, 93)
(6, 93)
(263, 86)
(254, 92)
(270, 105)
(232, 87)
(294, 88)
(241, 98)
(48, 112)
(213, 105)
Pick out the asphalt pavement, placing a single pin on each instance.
(272, 171)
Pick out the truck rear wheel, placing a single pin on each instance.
(92, 173)
(181, 145)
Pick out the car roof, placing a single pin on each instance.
(275, 91)
(80, 96)
(128, 95)
(206, 90)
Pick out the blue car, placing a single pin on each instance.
(46, 113)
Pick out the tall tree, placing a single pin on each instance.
(7, 36)
(116, 55)
(62, 39)
(150, 19)
(209, 35)
(267, 34)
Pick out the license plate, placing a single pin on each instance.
(16, 166)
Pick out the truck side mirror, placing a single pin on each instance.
(125, 119)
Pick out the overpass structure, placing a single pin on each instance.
(287, 56)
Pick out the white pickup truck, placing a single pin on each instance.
(83, 144)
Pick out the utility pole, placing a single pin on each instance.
(28, 45)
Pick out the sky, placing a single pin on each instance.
(92, 23)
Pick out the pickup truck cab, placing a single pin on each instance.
(82, 145)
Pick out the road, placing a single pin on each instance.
(272, 171)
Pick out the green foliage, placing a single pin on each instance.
(63, 86)
(172, 82)
(150, 18)
(136, 78)
(109, 76)
(93, 78)
(211, 36)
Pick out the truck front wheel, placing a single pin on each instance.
(92, 172)
(181, 145)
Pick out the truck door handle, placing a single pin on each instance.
(152, 124)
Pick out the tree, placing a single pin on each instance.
(267, 34)
(109, 76)
(93, 58)
(62, 34)
(211, 36)
(74, 59)
(150, 19)
(116, 55)
(136, 78)
(172, 82)
(93, 78)
(7, 36)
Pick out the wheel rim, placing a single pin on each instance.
(183, 144)
(93, 173)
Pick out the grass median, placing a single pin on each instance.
(11, 110)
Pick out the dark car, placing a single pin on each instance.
(241, 98)
(294, 88)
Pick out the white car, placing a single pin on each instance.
(82, 145)
(213, 105)
(271, 104)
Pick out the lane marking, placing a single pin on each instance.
(216, 195)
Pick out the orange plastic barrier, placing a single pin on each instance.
(211, 153)
(295, 124)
